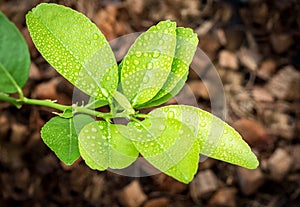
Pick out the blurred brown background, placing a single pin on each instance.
(255, 47)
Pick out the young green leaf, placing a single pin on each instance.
(168, 145)
(60, 135)
(102, 146)
(168, 96)
(186, 44)
(123, 101)
(75, 47)
(216, 138)
(95, 103)
(14, 57)
(148, 62)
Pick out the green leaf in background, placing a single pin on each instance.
(60, 135)
(147, 64)
(186, 44)
(169, 145)
(216, 138)
(102, 146)
(75, 47)
(14, 57)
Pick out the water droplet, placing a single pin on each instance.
(161, 127)
(171, 114)
(156, 53)
(88, 42)
(202, 124)
(166, 109)
(146, 37)
(96, 36)
(225, 131)
(138, 54)
(94, 129)
(146, 79)
(107, 78)
(150, 65)
(136, 62)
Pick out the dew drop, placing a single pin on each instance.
(96, 36)
(146, 79)
(171, 114)
(156, 53)
(161, 127)
(166, 109)
(138, 54)
(94, 129)
(88, 42)
(150, 65)
(136, 62)
(202, 124)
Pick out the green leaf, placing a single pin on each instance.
(67, 113)
(123, 101)
(75, 47)
(168, 96)
(148, 62)
(168, 145)
(186, 45)
(216, 138)
(95, 103)
(102, 145)
(60, 135)
(14, 57)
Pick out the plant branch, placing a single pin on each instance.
(51, 104)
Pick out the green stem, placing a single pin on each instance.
(48, 103)
(6, 98)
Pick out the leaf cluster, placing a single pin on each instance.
(154, 69)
